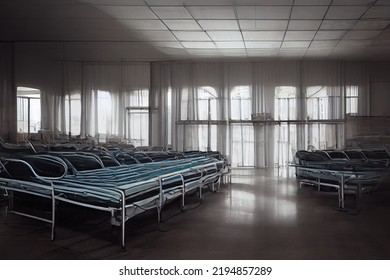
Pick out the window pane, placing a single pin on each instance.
(240, 103)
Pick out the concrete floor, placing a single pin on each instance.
(262, 214)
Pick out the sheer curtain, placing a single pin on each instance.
(7, 93)
(258, 114)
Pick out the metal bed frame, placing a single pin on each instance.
(128, 191)
(357, 182)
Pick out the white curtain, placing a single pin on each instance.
(7, 93)
(297, 105)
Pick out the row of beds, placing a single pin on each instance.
(352, 171)
(122, 183)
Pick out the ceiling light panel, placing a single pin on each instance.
(191, 36)
(337, 24)
(345, 12)
(171, 12)
(182, 24)
(304, 24)
(128, 12)
(299, 35)
(218, 24)
(246, 24)
(225, 35)
(263, 35)
(147, 24)
(308, 12)
(378, 12)
(212, 12)
(372, 24)
(329, 35)
(199, 45)
(361, 34)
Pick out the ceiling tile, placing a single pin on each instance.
(272, 12)
(382, 2)
(263, 35)
(324, 44)
(263, 12)
(230, 45)
(308, 12)
(156, 35)
(292, 53)
(337, 24)
(175, 45)
(225, 35)
(372, 24)
(263, 24)
(299, 35)
(262, 45)
(353, 43)
(312, 2)
(352, 2)
(212, 12)
(171, 12)
(345, 12)
(165, 2)
(204, 52)
(199, 45)
(218, 24)
(264, 2)
(361, 34)
(113, 2)
(304, 24)
(147, 24)
(378, 12)
(182, 24)
(296, 44)
(262, 52)
(191, 35)
(207, 2)
(329, 35)
(246, 12)
(130, 12)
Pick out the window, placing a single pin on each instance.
(352, 100)
(240, 103)
(243, 145)
(206, 101)
(138, 117)
(317, 103)
(285, 103)
(28, 110)
(73, 113)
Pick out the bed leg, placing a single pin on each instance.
(53, 214)
(123, 220)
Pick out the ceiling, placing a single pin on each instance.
(199, 29)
